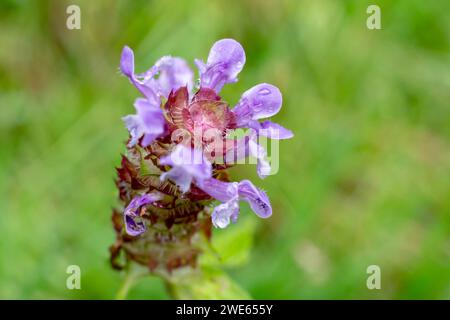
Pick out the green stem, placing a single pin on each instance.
(128, 282)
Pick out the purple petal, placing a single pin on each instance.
(134, 223)
(224, 213)
(133, 124)
(187, 164)
(262, 101)
(141, 82)
(152, 117)
(173, 74)
(180, 177)
(226, 59)
(273, 130)
(220, 190)
(263, 168)
(229, 193)
(148, 139)
(134, 226)
(258, 200)
(149, 122)
(127, 62)
(256, 150)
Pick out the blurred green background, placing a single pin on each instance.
(365, 180)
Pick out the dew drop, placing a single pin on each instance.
(264, 91)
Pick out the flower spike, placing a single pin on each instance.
(181, 144)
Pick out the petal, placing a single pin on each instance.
(173, 74)
(152, 116)
(262, 101)
(148, 139)
(256, 150)
(148, 122)
(226, 59)
(180, 177)
(134, 223)
(220, 190)
(141, 82)
(258, 200)
(127, 62)
(225, 212)
(133, 124)
(201, 66)
(134, 226)
(187, 164)
(273, 130)
(263, 168)
(192, 160)
(228, 52)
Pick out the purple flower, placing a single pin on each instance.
(262, 101)
(187, 165)
(172, 73)
(249, 146)
(230, 193)
(148, 122)
(134, 224)
(170, 81)
(225, 60)
(139, 81)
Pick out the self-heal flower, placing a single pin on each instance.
(262, 101)
(230, 193)
(259, 102)
(167, 74)
(141, 82)
(173, 73)
(148, 122)
(134, 223)
(180, 147)
(187, 165)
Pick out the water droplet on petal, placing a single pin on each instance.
(264, 91)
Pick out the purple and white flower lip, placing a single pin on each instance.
(188, 165)
(172, 72)
(225, 60)
(148, 123)
(259, 102)
(262, 101)
(170, 104)
(230, 193)
(134, 224)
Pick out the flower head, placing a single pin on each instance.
(179, 152)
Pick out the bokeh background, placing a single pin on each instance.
(365, 180)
